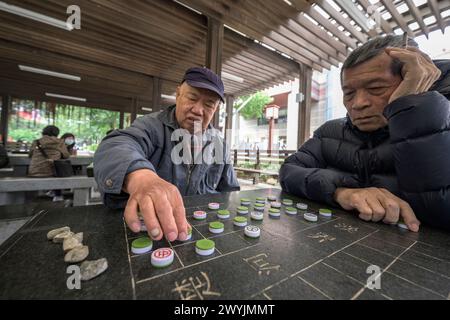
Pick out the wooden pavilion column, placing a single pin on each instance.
(6, 108)
(229, 119)
(121, 119)
(133, 109)
(214, 45)
(156, 94)
(304, 104)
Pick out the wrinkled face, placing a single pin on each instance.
(195, 104)
(367, 88)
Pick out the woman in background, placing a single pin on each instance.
(43, 151)
(69, 141)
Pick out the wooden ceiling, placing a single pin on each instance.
(124, 44)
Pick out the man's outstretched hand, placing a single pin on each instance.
(376, 204)
(160, 204)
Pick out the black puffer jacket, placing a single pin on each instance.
(410, 157)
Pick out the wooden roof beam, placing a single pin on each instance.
(26, 89)
(357, 16)
(417, 17)
(314, 14)
(434, 8)
(361, 37)
(397, 17)
(281, 16)
(385, 26)
(249, 46)
(320, 33)
(232, 17)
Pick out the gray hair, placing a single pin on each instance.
(376, 46)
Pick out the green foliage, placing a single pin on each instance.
(88, 125)
(254, 109)
(25, 135)
(92, 147)
(271, 166)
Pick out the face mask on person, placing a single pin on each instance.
(68, 142)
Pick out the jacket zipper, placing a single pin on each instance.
(190, 169)
(367, 163)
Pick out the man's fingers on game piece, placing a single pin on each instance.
(378, 212)
(131, 215)
(365, 217)
(151, 221)
(392, 210)
(365, 212)
(405, 212)
(409, 217)
(179, 212)
(164, 212)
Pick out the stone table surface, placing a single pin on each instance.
(340, 257)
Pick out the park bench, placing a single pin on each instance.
(13, 189)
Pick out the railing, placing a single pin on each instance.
(253, 159)
(260, 156)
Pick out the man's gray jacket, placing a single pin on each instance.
(148, 144)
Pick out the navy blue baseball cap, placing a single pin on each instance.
(204, 78)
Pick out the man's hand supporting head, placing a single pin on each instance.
(419, 72)
(160, 204)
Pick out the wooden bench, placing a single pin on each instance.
(13, 190)
(6, 172)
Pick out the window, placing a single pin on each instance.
(89, 125)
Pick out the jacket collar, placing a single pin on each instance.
(168, 117)
(375, 136)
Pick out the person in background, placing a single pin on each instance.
(388, 159)
(49, 147)
(69, 141)
(134, 167)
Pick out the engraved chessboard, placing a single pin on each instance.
(340, 257)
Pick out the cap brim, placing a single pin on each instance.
(206, 86)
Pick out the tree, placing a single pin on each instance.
(254, 108)
(27, 121)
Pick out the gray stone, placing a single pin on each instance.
(91, 269)
(77, 254)
(60, 237)
(70, 243)
(52, 233)
(79, 236)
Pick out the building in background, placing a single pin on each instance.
(326, 104)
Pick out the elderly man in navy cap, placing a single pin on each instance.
(139, 168)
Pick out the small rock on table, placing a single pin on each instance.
(52, 233)
(91, 269)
